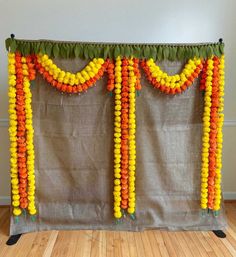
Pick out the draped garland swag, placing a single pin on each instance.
(122, 64)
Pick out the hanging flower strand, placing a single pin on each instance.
(111, 76)
(213, 133)
(132, 141)
(137, 74)
(117, 141)
(21, 72)
(30, 136)
(206, 135)
(203, 76)
(13, 135)
(124, 134)
(219, 138)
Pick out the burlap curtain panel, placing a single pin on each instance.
(115, 136)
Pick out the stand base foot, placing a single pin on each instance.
(13, 239)
(219, 233)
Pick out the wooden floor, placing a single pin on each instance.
(151, 243)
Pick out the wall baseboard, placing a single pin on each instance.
(6, 200)
(4, 123)
(229, 195)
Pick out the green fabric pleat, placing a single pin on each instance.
(172, 52)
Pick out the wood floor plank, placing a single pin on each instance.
(124, 244)
(73, 243)
(131, 244)
(229, 247)
(50, 244)
(231, 225)
(213, 245)
(205, 244)
(61, 246)
(220, 244)
(168, 244)
(84, 242)
(110, 244)
(230, 231)
(178, 250)
(185, 248)
(195, 251)
(40, 244)
(3, 213)
(139, 244)
(117, 244)
(197, 244)
(4, 226)
(95, 244)
(22, 248)
(98, 249)
(103, 246)
(161, 243)
(155, 247)
(231, 237)
(232, 221)
(146, 244)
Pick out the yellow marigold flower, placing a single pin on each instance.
(17, 211)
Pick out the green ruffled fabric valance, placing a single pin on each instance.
(89, 50)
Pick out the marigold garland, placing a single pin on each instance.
(172, 84)
(219, 137)
(124, 133)
(124, 137)
(66, 81)
(13, 134)
(117, 140)
(124, 79)
(21, 70)
(132, 131)
(69, 78)
(206, 135)
(202, 85)
(111, 76)
(138, 85)
(21, 73)
(29, 139)
(213, 83)
(212, 135)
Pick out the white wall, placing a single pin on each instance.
(123, 21)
